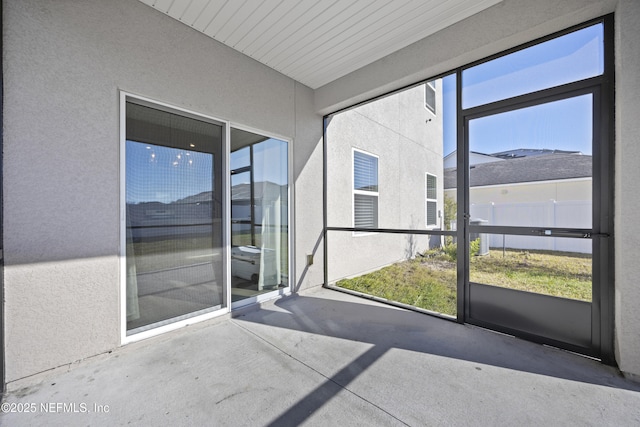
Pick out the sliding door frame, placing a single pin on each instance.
(226, 125)
(124, 98)
(290, 218)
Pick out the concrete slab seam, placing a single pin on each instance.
(318, 372)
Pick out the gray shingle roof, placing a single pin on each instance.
(529, 152)
(526, 169)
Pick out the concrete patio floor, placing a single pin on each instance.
(327, 358)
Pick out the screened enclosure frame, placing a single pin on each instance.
(601, 87)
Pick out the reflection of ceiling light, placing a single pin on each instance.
(153, 155)
(188, 154)
(148, 148)
(192, 145)
(190, 162)
(179, 156)
(175, 163)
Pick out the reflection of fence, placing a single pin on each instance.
(565, 214)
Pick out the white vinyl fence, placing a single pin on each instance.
(565, 214)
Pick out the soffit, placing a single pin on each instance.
(316, 42)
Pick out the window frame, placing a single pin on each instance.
(370, 193)
(428, 200)
(430, 85)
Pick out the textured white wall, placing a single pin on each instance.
(627, 196)
(395, 129)
(65, 62)
(308, 178)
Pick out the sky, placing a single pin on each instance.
(564, 125)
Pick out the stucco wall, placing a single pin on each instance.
(407, 139)
(65, 62)
(308, 210)
(627, 196)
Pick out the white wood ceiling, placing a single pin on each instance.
(313, 41)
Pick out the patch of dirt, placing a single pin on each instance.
(439, 265)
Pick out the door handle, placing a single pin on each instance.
(566, 233)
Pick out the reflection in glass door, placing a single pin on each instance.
(174, 259)
(259, 214)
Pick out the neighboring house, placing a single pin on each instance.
(544, 188)
(372, 151)
(565, 168)
(451, 159)
(476, 158)
(529, 152)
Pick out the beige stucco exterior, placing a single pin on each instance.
(65, 63)
(407, 139)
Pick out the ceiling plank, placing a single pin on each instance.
(317, 42)
(208, 13)
(194, 10)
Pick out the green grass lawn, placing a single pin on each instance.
(429, 281)
(559, 274)
(424, 283)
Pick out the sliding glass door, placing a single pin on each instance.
(259, 215)
(174, 246)
(199, 236)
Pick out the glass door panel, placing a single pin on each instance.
(572, 57)
(536, 174)
(536, 166)
(530, 221)
(173, 217)
(554, 266)
(259, 214)
(242, 224)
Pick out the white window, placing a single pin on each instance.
(431, 200)
(365, 190)
(430, 96)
